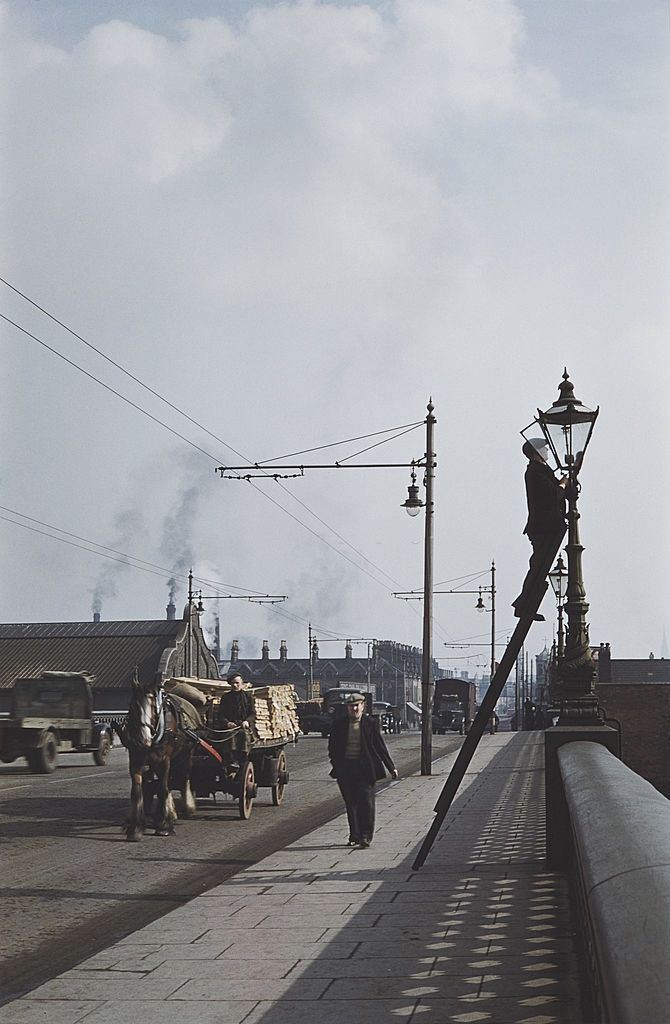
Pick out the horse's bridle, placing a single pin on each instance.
(159, 731)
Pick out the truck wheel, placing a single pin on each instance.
(42, 760)
(101, 755)
(324, 735)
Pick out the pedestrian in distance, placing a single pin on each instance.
(545, 496)
(360, 758)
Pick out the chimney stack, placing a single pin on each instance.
(217, 639)
(171, 612)
(96, 616)
(234, 652)
(283, 651)
(265, 652)
(348, 650)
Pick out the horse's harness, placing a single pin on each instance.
(163, 704)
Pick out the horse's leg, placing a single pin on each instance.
(135, 824)
(166, 809)
(188, 800)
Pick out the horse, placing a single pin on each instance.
(157, 742)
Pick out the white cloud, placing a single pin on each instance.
(298, 226)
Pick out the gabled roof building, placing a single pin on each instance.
(109, 651)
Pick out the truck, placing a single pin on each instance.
(454, 705)
(51, 714)
(331, 707)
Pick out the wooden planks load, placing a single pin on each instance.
(276, 714)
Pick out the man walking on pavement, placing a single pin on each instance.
(545, 496)
(359, 756)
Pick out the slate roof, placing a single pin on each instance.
(640, 670)
(108, 650)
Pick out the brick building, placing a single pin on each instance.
(391, 671)
(635, 692)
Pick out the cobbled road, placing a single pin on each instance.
(72, 885)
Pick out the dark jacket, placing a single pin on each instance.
(237, 706)
(546, 500)
(374, 752)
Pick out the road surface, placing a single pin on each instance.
(72, 884)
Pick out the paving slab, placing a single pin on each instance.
(332, 1011)
(195, 1012)
(32, 1011)
(320, 933)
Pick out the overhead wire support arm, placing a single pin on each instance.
(260, 599)
(268, 471)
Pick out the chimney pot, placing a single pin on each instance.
(265, 652)
(96, 616)
(283, 651)
(171, 612)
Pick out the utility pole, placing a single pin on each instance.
(311, 662)
(412, 505)
(427, 684)
(493, 622)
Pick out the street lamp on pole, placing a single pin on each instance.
(481, 607)
(558, 578)
(567, 426)
(412, 506)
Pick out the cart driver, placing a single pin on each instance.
(237, 709)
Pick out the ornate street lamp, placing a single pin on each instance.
(567, 427)
(558, 577)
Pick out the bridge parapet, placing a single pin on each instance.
(620, 861)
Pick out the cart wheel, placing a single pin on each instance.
(245, 800)
(278, 790)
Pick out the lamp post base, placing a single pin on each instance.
(580, 711)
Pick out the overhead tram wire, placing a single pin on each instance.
(200, 426)
(105, 547)
(336, 444)
(197, 447)
(192, 444)
(315, 625)
(107, 387)
(131, 561)
(155, 419)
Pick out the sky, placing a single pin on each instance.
(296, 223)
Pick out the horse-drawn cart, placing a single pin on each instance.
(224, 769)
(240, 761)
(177, 740)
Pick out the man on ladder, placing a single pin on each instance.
(545, 496)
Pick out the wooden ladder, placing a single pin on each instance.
(536, 591)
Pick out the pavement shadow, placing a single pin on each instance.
(480, 935)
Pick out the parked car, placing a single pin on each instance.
(389, 720)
